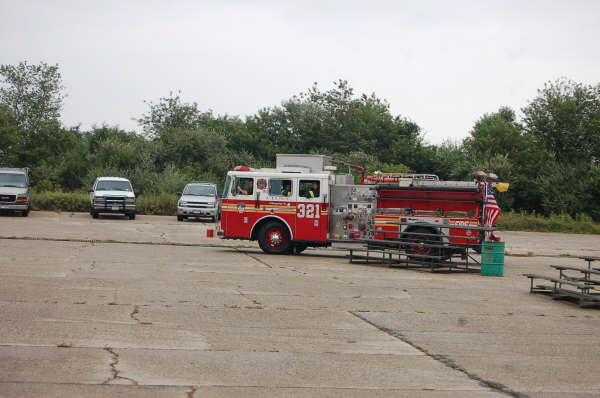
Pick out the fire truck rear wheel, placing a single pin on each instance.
(415, 249)
(274, 238)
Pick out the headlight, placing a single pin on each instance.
(181, 203)
(21, 199)
(98, 199)
(130, 200)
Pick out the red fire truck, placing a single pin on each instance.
(303, 202)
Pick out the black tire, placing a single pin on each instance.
(274, 238)
(25, 213)
(179, 218)
(414, 248)
(95, 215)
(131, 216)
(299, 248)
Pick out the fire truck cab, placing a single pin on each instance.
(285, 209)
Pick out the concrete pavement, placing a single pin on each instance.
(84, 315)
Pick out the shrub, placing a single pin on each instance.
(159, 204)
(60, 201)
(523, 221)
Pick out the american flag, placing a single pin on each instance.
(492, 211)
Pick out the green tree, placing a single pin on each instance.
(171, 113)
(565, 119)
(336, 121)
(569, 190)
(495, 133)
(34, 93)
(9, 136)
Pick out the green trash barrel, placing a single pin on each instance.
(492, 259)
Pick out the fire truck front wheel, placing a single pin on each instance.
(274, 238)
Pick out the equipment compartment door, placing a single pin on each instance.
(311, 218)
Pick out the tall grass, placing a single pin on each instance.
(160, 204)
(523, 221)
(60, 201)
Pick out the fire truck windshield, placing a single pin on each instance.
(226, 187)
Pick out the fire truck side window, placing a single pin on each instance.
(278, 187)
(310, 188)
(243, 186)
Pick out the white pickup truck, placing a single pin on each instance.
(112, 195)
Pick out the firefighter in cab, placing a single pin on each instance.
(313, 192)
(287, 189)
(249, 188)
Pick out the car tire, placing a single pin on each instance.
(274, 238)
(179, 218)
(25, 213)
(95, 215)
(131, 216)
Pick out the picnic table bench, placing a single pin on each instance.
(587, 272)
(583, 287)
(590, 260)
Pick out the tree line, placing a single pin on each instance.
(550, 153)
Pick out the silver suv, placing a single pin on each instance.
(199, 199)
(112, 195)
(14, 190)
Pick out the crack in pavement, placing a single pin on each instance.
(134, 313)
(113, 369)
(498, 387)
(258, 260)
(191, 392)
(96, 241)
(136, 310)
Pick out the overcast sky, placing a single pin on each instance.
(442, 64)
